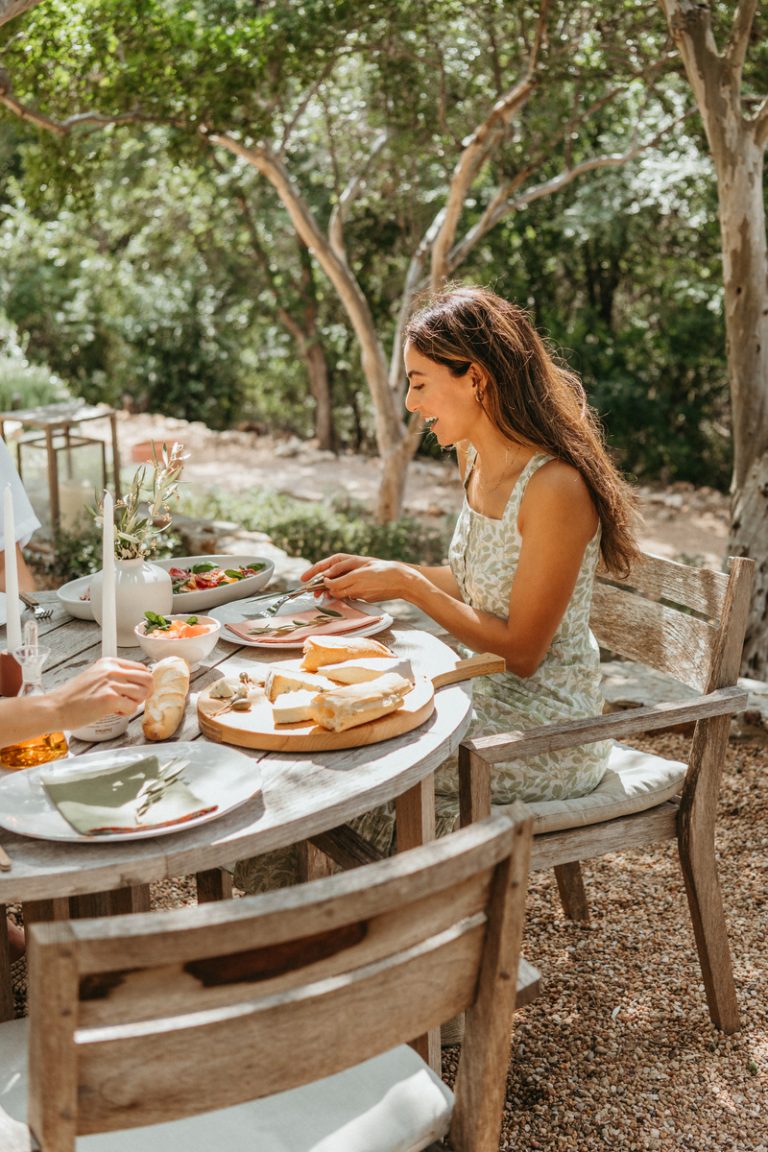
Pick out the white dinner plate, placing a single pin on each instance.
(69, 594)
(4, 608)
(217, 773)
(242, 611)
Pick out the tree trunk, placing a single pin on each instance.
(394, 470)
(319, 386)
(745, 274)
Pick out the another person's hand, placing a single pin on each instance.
(108, 687)
(361, 577)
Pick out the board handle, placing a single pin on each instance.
(483, 664)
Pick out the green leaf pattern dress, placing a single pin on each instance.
(483, 557)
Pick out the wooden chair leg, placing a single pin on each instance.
(696, 847)
(474, 787)
(313, 862)
(573, 897)
(414, 826)
(213, 884)
(6, 993)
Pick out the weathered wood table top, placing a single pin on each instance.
(300, 795)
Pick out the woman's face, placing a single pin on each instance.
(446, 402)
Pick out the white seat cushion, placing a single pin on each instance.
(633, 782)
(392, 1103)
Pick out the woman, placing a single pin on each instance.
(542, 503)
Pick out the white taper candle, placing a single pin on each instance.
(108, 584)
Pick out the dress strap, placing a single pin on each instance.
(536, 461)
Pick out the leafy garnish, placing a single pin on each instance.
(156, 623)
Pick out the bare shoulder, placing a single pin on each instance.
(561, 491)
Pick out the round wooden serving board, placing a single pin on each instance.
(256, 728)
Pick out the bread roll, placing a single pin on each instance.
(321, 650)
(164, 707)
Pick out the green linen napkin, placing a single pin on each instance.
(132, 797)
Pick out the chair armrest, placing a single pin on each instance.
(630, 722)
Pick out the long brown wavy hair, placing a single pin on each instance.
(529, 396)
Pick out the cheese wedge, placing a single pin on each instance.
(360, 703)
(320, 650)
(360, 671)
(278, 682)
(294, 707)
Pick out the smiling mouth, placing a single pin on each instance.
(430, 422)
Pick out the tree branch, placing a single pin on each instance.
(80, 120)
(759, 123)
(11, 8)
(336, 222)
(502, 204)
(476, 149)
(738, 42)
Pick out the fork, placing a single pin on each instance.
(41, 613)
(286, 596)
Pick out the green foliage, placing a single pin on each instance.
(312, 530)
(78, 553)
(26, 385)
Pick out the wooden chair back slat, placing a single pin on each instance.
(279, 1044)
(686, 622)
(154, 1011)
(127, 995)
(700, 589)
(655, 634)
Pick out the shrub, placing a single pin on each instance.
(311, 530)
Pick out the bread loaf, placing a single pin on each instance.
(321, 650)
(164, 706)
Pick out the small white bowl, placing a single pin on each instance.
(193, 649)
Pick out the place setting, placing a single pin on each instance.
(287, 619)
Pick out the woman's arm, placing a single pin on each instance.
(105, 688)
(557, 520)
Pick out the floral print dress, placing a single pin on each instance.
(483, 557)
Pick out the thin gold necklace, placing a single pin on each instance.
(489, 489)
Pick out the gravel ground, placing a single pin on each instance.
(618, 1050)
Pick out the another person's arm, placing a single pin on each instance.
(110, 686)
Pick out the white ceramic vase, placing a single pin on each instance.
(140, 587)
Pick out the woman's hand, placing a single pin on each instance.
(108, 687)
(362, 577)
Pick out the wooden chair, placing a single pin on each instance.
(288, 1012)
(689, 623)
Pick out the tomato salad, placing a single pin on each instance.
(202, 576)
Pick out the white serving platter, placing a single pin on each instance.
(70, 594)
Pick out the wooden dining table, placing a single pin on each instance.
(298, 796)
